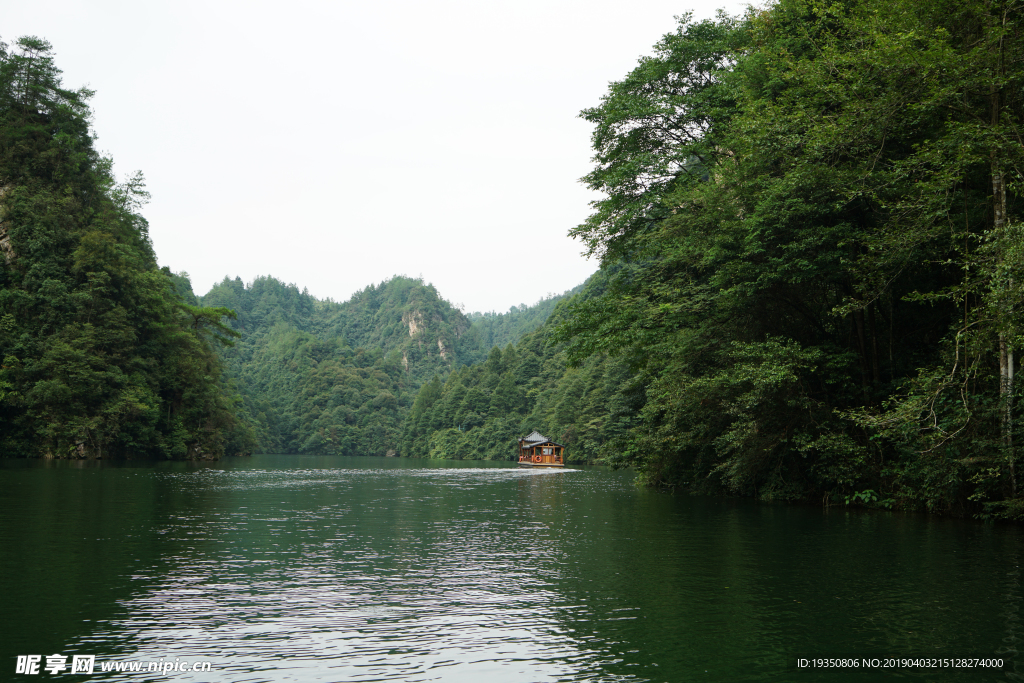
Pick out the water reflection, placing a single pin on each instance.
(357, 575)
(302, 569)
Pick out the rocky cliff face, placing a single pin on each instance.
(419, 326)
(414, 321)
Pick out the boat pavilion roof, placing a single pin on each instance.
(534, 437)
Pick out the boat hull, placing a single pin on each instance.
(541, 464)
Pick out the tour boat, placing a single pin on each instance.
(536, 450)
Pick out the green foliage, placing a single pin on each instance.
(102, 355)
(502, 329)
(802, 263)
(341, 378)
(482, 409)
(374, 375)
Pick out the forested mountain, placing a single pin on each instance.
(398, 370)
(99, 356)
(812, 260)
(481, 410)
(326, 377)
(812, 235)
(502, 329)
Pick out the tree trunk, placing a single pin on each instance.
(998, 228)
(858, 319)
(876, 374)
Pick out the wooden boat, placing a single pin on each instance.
(536, 450)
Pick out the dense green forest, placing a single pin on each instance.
(99, 355)
(340, 378)
(502, 329)
(322, 377)
(482, 409)
(811, 233)
(397, 370)
(811, 267)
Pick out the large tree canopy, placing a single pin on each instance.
(100, 355)
(812, 226)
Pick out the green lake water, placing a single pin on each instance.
(294, 568)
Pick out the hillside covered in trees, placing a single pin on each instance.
(480, 410)
(99, 355)
(812, 236)
(339, 378)
(812, 267)
(502, 329)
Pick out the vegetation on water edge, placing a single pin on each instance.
(811, 231)
(811, 259)
(99, 354)
(340, 378)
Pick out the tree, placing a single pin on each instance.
(798, 258)
(101, 357)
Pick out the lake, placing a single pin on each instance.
(296, 568)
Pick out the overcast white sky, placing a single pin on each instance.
(335, 144)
